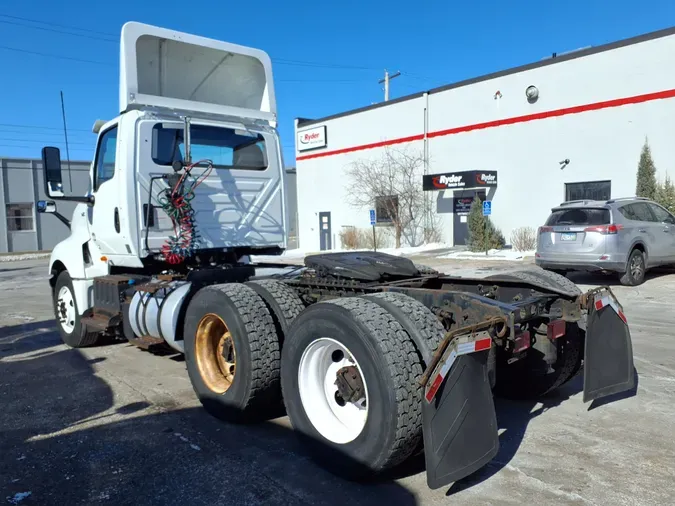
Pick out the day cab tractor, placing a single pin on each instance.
(374, 358)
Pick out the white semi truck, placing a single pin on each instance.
(377, 359)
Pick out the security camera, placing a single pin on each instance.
(564, 163)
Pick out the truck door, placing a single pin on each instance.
(106, 215)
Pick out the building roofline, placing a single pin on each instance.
(573, 55)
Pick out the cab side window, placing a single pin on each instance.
(105, 157)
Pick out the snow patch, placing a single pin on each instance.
(23, 256)
(301, 253)
(493, 254)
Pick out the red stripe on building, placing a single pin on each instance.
(648, 97)
(364, 146)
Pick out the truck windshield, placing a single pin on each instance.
(225, 147)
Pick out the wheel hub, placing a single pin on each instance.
(215, 353)
(349, 384)
(65, 309)
(333, 390)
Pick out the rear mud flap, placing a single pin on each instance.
(608, 356)
(460, 424)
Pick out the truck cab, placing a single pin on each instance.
(193, 111)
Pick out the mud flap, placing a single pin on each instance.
(608, 356)
(460, 424)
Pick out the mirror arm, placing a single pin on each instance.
(85, 200)
(62, 219)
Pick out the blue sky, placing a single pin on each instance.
(327, 56)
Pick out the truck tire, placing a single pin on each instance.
(418, 321)
(232, 353)
(68, 318)
(283, 303)
(528, 378)
(382, 425)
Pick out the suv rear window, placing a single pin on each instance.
(578, 216)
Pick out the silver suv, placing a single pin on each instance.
(627, 236)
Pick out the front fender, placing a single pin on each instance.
(69, 255)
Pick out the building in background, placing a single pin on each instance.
(567, 127)
(24, 230)
(21, 186)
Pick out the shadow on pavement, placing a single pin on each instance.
(513, 418)
(68, 439)
(610, 279)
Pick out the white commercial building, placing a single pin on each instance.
(568, 127)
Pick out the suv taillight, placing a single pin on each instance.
(605, 229)
(543, 230)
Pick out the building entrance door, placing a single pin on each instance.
(324, 231)
(461, 206)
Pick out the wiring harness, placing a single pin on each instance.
(176, 203)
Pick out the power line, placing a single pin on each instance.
(33, 147)
(14, 125)
(51, 23)
(81, 60)
(5, 139)
(55, 30)
(280, 61)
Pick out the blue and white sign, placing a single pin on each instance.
(372, 217)
(487, 208)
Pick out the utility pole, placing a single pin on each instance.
(386, 80)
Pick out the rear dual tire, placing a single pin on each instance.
(233, 334)
(389, 429)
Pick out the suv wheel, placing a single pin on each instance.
(635, 269)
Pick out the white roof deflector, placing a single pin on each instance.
(169, 69)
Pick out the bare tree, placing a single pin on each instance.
(392, 184)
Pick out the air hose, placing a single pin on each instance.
(176, 202)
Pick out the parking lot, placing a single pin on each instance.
(118, 425)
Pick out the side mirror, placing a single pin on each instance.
(51, 165)
(46, 206)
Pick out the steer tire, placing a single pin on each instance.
(528, 379)
(77, 335)
(283, 303)
(391, 368)
(254, 391)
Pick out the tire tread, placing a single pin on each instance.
(263, 342)
(403, 366)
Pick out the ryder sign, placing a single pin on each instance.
(312, 138)
(460, 180)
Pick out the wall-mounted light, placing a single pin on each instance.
(532, 94)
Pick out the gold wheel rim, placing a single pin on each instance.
(215, 353)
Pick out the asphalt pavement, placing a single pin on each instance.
(118, 425)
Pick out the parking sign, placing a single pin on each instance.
(487, 208)
(372, 217)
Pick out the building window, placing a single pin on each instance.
(20, 218)
(386, 208)
(589, 190)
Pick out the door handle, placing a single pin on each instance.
(643, 230)
(117, 220)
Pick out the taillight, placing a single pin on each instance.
(543, 230)
(605, 229)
